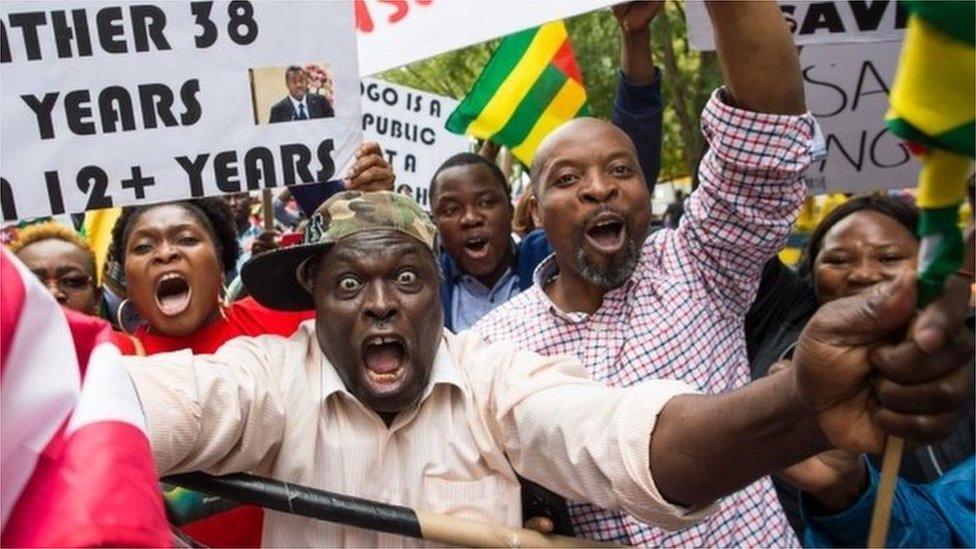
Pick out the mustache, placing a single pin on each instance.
(605, 208)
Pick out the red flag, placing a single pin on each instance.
(76, 467)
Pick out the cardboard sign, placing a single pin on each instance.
(847, 89)
(832, 22)
(110, 104)
(397, 32)
(409, 125)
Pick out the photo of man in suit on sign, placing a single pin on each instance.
(300, 104)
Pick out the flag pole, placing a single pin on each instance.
(363, 513)
(881, 516)
(267, 209)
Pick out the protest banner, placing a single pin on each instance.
(397, 32)
(847, 89)
(832, 22)
(409, 125)
(117, 104)
(848, 65)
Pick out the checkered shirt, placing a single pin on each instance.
(680, 315)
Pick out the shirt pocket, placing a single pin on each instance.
(489, 499)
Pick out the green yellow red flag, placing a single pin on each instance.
(97, 230)
(933, 107)
(529, 87)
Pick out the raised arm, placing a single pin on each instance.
(221, 413)
(759, 62)
(761, 142)
(637, 105)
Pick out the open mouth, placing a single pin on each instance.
(172, 294)
(476, 247)
(384, 358)
(607, 233)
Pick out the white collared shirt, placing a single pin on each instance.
(295, 103)
(276, 407)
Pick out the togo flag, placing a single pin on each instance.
(76, 469)
(932, 99)
(529, 87)
(933, 106)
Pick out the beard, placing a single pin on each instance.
(615, 273)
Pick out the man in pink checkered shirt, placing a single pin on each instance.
(671, 305)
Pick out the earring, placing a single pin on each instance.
(118, 316)
(222, 302)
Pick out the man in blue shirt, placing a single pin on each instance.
(471, 204)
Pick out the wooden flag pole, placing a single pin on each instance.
(881, 516)
(267, 209)
(363, 513)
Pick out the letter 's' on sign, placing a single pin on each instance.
(110, 104)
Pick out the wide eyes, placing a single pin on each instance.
(349, 284)
(352, 284)
(406, 277)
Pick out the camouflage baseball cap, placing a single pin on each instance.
(273, 278)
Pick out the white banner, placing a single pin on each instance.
(397, 32)
(409, 126)
(108, 105)
(816, 22)
(847, 90)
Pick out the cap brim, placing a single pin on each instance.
(272, 278)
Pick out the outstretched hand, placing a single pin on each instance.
(865, 373)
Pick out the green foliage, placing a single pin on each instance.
(596, 40)
(451, 74)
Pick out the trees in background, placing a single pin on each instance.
(689, 77)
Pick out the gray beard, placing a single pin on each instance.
(614, 274)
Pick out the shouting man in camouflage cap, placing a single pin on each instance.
(375, 399)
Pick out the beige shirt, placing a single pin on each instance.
(276, 407)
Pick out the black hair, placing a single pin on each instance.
(469, 159)
(292, 69)
(902, 211)
(214, 214)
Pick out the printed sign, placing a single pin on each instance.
(397, 32)
(409, 125)
(847, 89)
(817, 22)
(848, 65)
(110, 104)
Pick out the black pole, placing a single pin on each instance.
(305, 501)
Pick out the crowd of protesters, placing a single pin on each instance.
(577, 322)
